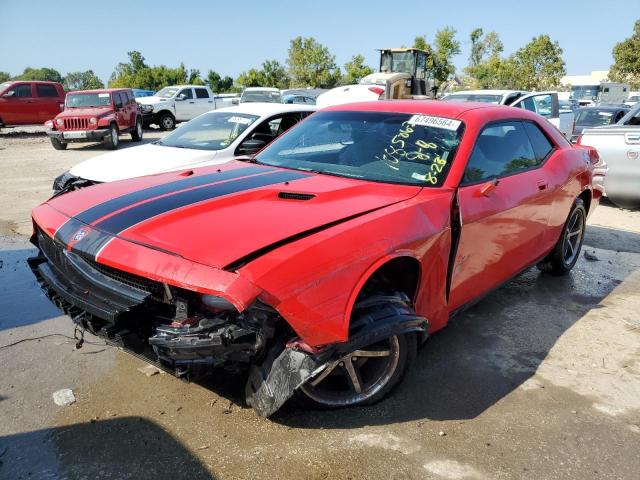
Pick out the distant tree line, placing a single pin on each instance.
(538, 65)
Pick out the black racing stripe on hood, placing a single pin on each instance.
(82, 238)
(144, 211)
(98, 211)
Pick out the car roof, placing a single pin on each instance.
(486, 92)
(267, 109)
(427, 107)
(100, 90)
(262, 89)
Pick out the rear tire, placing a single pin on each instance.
(112, 140)
(166, 122)
(566, 252)
(136, 133)
(57, 144)
(367, 375)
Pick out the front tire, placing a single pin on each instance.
(57, 144)
(366, 375)
(166, 122)
(112, 140)
(566, 252)
(136, 133)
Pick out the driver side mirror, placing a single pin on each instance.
(250, 147)
(10, 93)
(235, 101)
(181, 97)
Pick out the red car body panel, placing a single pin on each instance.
(309, 259)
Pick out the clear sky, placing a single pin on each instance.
(232, 36)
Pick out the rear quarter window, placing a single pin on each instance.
(542, 147)
(46, 91)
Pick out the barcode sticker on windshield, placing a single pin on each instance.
(242, 120)
(435, 122)
(102, 95)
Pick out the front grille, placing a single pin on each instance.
(54, 252)
(75, 123)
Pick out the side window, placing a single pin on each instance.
(188, 94)
(22, 91)
(202, 93)
(117, 100)
(544, 105)
(542, 147)
(46, 90)
(501, 149)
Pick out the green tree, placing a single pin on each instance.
(626, 58)
(274, 75)
(137, 74)
(217, 83)
(445, 47)
(251, 78)
(484, 60)
(194, 77)
(5, 77)
(421, 43)
(538, 65)
(311, 64)
(355, 69)
(48, 74)
(82, 81)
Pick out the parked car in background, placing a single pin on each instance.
(297, 98)
(601, 93)
(634, 98)
(210, 139)
(545, 104)
(567, 106)
(597, 116)
(180, 103)
(619, 146)
(319, 265)
(29, 103)
(138, 92)
(261, 94)
(95, 116)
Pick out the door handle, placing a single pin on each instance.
(542, 185)
(487, 188)
(192, 102)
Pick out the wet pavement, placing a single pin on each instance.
(539, 380)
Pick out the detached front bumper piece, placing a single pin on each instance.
(68, 136)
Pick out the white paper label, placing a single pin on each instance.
(435, 122)
(103, 95)
(241, 120)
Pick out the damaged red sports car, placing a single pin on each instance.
(323, 262)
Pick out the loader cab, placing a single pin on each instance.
(404, 73)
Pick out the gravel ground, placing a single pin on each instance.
(539, 380)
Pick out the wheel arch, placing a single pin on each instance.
(391, 269)
(586, 195)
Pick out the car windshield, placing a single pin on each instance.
(379, 146)
(166, 92)
(77, 100)
(473, 97)
(5, 85)
(584, 92)
(268, 97)
(593, 118)
(211, 131)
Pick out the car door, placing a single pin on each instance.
(203, 102)
(185, 105)
(119, 111)
(131, 108)
(504, 200)
(48, 101)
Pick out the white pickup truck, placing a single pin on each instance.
(542, 103)
(619, 146)
(180, 103)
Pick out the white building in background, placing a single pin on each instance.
(596, 77)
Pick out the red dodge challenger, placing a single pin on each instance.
(324, 261)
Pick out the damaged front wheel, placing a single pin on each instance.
(364, 376)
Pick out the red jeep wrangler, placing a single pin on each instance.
(94, 116)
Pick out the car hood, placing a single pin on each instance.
(151, 100)
(138, 161)
(219, 216)
(84, 112)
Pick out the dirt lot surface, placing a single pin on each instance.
(541, 380)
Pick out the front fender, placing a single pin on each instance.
(104, 122)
